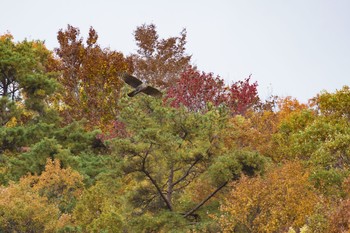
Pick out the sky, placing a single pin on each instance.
(292, 48)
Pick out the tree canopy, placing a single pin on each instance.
(77, 154)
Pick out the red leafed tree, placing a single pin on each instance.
(195, 89)
(243, 95)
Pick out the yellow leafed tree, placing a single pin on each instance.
(22, 209)
(282, 199)
(40, 203)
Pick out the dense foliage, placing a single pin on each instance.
(78, 155)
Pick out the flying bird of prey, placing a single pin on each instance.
(140, 86)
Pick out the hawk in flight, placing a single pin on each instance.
(140, 86)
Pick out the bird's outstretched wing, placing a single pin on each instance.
(152, 91)
(131, 80)
(139, 86)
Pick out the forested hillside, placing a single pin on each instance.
(77, 154)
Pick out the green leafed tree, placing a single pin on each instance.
(26, 84)
(100, 208)
(72, 145)
(25, 72)
(170, 149)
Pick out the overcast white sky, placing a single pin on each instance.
(291, 47)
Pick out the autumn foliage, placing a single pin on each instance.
(159, 61)
(283, 198)
(90, 78)
(78, 155)
(195, 90)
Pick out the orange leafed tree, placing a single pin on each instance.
(90, 77)
(159, 61)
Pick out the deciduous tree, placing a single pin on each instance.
(242, 96)
(90, 78)
(61, 186)
(23, 210)
(196, 90)
(159, 61)
(282, 199)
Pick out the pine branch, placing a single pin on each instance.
(154, 182)
(187, 172)
(205, 200)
